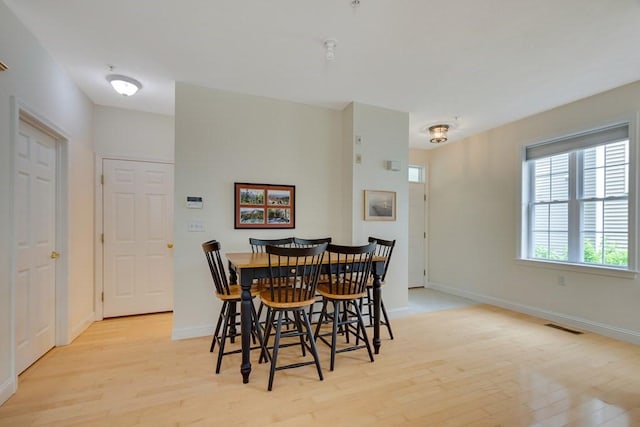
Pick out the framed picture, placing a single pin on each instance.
(264, 205)
(379, 205)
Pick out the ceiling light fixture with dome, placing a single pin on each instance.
(124, 85)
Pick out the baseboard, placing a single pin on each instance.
(621, 334)
(7, 389)
(194, 332)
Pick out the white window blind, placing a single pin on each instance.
(578, 199)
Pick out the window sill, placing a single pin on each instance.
(579, 268)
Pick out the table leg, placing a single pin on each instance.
(376, 311)
(245, 326)
(245, 321)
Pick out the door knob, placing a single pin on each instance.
(54, 255)
(170, 245)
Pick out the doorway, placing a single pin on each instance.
(417, 227)
(38, 242)
(137, 237)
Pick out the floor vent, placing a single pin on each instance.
(562, 328)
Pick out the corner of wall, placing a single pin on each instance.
(7, 389)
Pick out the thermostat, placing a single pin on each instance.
(194, 202)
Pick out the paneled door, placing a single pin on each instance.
(417, 234)
(35, 262)
(138, 237)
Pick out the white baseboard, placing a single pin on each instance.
(621, 334)
(7, 389)
(194, 332)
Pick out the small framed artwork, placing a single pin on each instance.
(264, 205)
(379, 205)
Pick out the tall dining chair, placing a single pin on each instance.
(350, 270)
(230, 296)
(384, 248)
(259, 246)
(293, 277)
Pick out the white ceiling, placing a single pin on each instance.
(488, 62)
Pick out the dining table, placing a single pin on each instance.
(245, 267)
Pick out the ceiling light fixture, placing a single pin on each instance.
(330, 49)
(438, 133)
(124, 85)
(355, 3)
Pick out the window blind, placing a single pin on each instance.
(578, 142)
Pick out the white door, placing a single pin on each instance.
(138, 237)
(35, 223)
(417, 234)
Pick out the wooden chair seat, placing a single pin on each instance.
(325, 291)
(235, 292)
(287, 299)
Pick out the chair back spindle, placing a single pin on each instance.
(214, 259)
(259, 245)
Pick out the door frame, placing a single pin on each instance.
(20, 111)
(425, 185)
(99, 221)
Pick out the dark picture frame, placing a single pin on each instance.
(264, 205)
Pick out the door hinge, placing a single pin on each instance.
(425, 234)
(102, 237)
(102, 297)
(102, 179)
(425, 197)
(424, 272)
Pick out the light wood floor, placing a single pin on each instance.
(472, 366)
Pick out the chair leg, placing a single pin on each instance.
(312, 344)
(334, 333)
(364, 331)
(217, 331)
(386, 318)
(223, 340)
(298, 321)
(323, 315)
(276, 346)
(264, 354)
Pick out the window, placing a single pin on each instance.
(416, 174)
(577, 199)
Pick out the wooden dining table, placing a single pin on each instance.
(244, 267)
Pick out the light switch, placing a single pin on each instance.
(195, 226)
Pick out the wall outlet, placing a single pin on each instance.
(561, 281)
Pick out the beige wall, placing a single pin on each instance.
(133, 134)
(224, 137)
(474, 212)
(385, 136)
(36, 81)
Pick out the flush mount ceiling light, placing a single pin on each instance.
(330, 49)
(438, 133)
(124, 85)
(439, 130)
